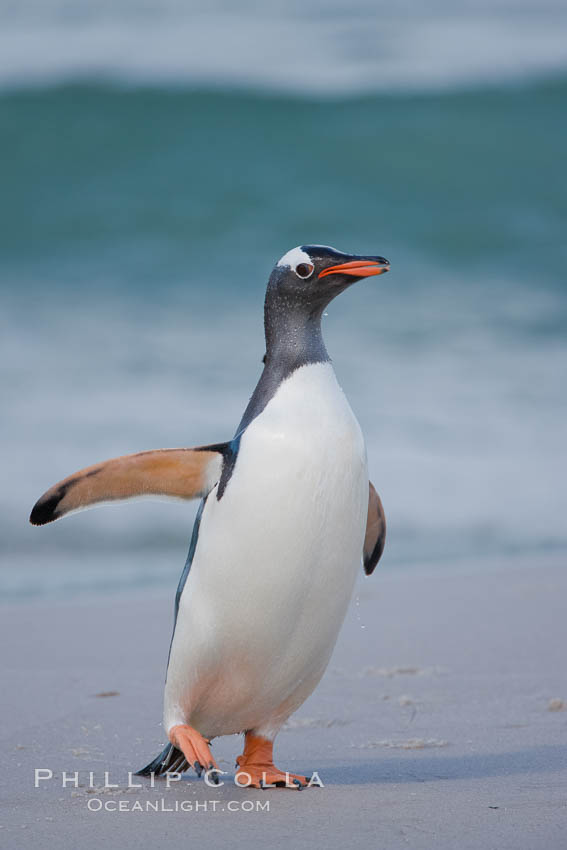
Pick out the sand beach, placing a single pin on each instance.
(441, 722)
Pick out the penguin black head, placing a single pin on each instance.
(301, 285)
(310, 276)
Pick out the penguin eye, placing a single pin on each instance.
(304, 270)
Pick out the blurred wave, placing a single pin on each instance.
(129, 184)
(308, 46)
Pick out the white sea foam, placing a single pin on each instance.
(301, 47)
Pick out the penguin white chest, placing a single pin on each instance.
(275, 563)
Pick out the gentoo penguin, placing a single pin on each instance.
(287, 511)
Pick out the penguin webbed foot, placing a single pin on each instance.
(266, 776)
(195, 750)
(256, 768)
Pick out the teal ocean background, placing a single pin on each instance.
(155, 164)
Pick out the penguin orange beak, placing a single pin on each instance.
(358, 268)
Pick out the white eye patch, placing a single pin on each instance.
(294, 257)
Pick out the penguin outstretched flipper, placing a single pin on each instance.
(170, 760)
(375, 538)
(173, 473)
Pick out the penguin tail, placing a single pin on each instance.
(170, 760)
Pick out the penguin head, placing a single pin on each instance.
(310, 276)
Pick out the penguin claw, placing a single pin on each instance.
(198, 768)
(214, 774)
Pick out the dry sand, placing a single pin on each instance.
(441, 723)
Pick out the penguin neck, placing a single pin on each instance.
(293, 339)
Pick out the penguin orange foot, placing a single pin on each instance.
(195, 748)
(256, 768)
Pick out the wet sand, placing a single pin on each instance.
(441, 723)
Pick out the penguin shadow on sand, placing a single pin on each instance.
(429, 768)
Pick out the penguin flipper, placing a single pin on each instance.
(170, 760)
(375, 537)
(174, 473)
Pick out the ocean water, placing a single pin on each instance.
(156, 161)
